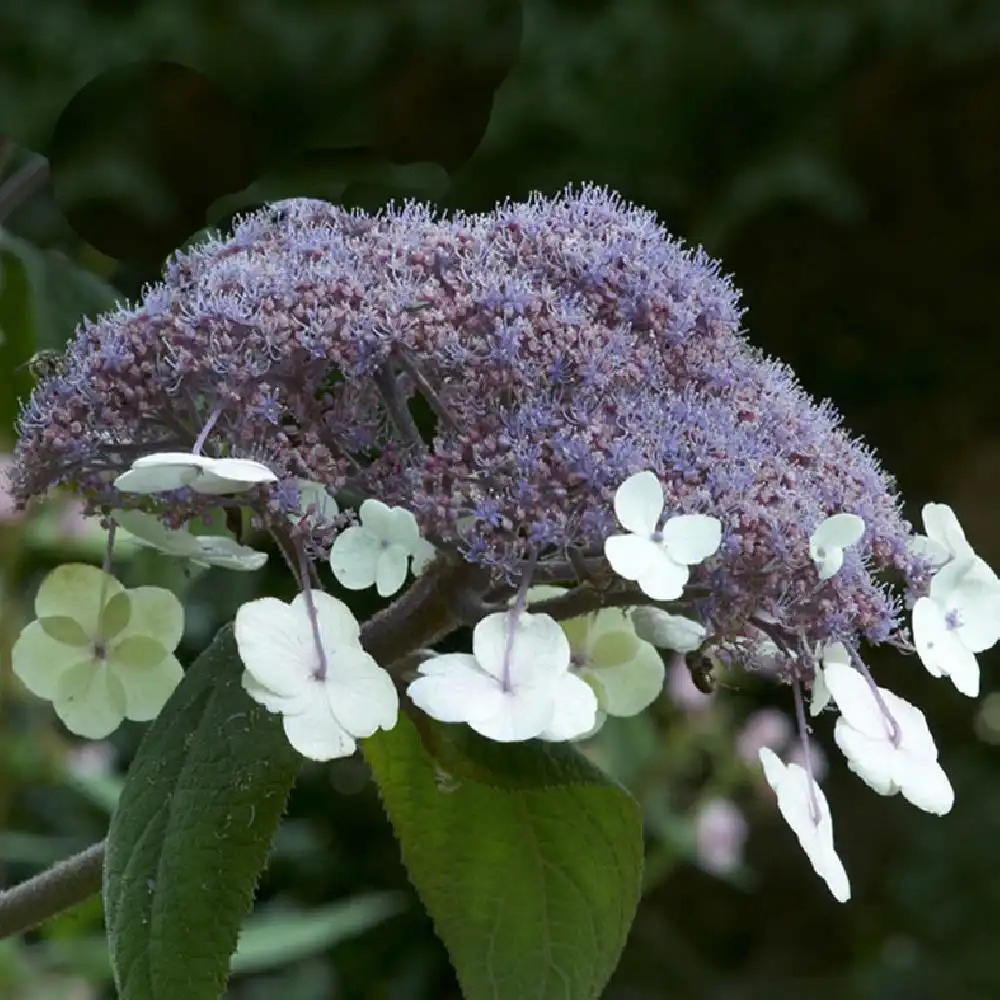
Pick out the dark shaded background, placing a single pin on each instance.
(842, 158)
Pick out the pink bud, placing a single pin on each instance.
(767, 727)
(720, 833)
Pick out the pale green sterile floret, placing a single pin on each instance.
(98, 652)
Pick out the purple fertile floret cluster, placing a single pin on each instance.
(499, 375)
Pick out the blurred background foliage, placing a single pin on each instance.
(841, 157)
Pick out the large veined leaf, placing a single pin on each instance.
(194, 823)
(527, 857)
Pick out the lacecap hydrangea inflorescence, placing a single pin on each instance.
(503, 378)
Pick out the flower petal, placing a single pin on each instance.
(630, 556)
(271, 701)
(315, 503)
(828, 562)
(941, 651)
(337, 624)
(360, 693)
(156, 614)
(160, 472)
(452, 685)
(839, 531)
(970, 589)
(135, 653)
(663, 579)
(667, 631)
(222, 476)
(798, 796)
(512, 716)
(226, 553)
(151, 531)
(354, 557)
(628, 688)
(276, 646)
(855, 699)
(90, 700)
(692, 538)
(574, 710)
(76, 591)
(924, 784)
(538, 648)
(872, 760)
(39, 660)
(316, 733)
(423, 554)
(147, 688)
(639, 503)
(390, 570)
(942, 528)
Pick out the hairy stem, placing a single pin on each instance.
(64, 885)
(427, 612)
(19, 187)
(400, 415)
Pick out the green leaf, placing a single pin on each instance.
(196, 817)
(526, 856)
(275, 939)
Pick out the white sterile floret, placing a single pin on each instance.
(322, 714)
(202, 550)
(865, 736)
(515, 685)
(826, 652)
(968, 592)
(657, 560)
(315, 504)
(172, 470)
(805, 809)
(667, 631)
(378, 550)
(831, 537)
(960, 618)
(945, 538)
(940, 649)
(98, 652)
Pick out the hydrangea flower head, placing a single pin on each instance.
(299, 342)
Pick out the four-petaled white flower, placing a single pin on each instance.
(202, 550)
(805, 809)
(172, 470)
(657, 560)
(831, 537)
(378, 550)
(667, 631)
(328, 702)
(98, 652)
(515, 685)
(960, 618)
(865, 736)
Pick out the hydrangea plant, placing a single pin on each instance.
(544, 424)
